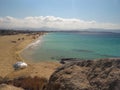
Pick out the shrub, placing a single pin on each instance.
(29, 83)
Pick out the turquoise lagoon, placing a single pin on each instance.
(84, 45)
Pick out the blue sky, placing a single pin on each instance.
(102, 11)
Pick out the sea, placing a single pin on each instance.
(55, 46)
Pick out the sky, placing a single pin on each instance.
(60, 14)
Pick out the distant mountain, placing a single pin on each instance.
(90, 30)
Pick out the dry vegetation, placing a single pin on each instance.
(31, 83)
(27, 83)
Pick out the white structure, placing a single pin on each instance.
(20, 65)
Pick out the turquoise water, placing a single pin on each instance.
(55, 46)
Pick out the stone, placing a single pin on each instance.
(101, 74)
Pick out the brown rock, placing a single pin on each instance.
(102, 74)
(28, 83)
(9, 87)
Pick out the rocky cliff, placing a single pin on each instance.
(102, 74)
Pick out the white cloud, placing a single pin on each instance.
(53, 22)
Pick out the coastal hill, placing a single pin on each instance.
(102, 74)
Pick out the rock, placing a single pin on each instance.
(28, 83)
(115, 85)
(68, 60)
(1, 79)
(102, 74)
(9, 87)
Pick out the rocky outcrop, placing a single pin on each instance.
(9, 87)
(102, 74)
(69, 60)
(26, 83)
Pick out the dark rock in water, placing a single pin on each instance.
(102, 74)
(81, 50)
(67, 60)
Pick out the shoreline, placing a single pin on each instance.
(39, 66)
(40, 69)
(21, 51)
(30, 46)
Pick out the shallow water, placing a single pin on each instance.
(55, 46)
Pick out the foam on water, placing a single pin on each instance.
(27, 52)
(35, 43)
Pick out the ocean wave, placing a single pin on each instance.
(35, 43)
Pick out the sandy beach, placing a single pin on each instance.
(10, 48)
